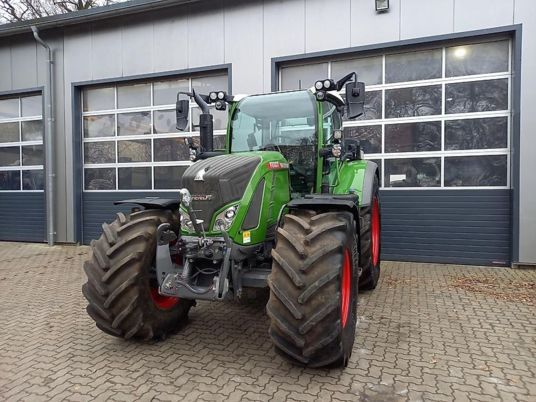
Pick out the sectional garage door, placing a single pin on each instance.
(131, 147)
(437, 121)
(22, 201)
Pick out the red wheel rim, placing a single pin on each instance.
(346, 287)
(375, 228)
(163, 302)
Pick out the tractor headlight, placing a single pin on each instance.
(225, 219)
(186, 222)
(213, 96)
(319, 85)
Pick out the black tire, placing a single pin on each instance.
(307, 323)
(120, 286)
(370, 270)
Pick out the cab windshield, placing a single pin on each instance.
(284, 122)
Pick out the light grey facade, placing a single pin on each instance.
(249, 41)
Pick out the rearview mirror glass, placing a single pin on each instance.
(182, 109)
(355, 99)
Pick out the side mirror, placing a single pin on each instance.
(182, 109)
(355, 99)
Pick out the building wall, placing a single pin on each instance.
(249, 34)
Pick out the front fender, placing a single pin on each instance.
(357, 177)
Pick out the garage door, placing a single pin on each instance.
(131, 147)
(437, 121)
(22, 202)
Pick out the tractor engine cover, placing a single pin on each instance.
(215, 182)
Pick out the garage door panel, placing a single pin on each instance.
(22, 216)
(481, 236)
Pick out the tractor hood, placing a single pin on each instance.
(218, 181)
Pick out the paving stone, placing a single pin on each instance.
(419, 338)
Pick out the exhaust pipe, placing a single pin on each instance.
(206, 125)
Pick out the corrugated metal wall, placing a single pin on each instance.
(447, 226)
(22, 216)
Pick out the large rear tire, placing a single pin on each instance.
(370, 241)
(313, 288)
(121, 288)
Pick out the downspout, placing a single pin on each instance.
(49, 140)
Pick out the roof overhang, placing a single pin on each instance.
(89, 15)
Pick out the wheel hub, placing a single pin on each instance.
(375, 229)
(163, 302)
(346, 287)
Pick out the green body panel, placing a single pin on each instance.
(275, 195)
(349, 177)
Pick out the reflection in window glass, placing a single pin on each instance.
(204, 85)
(413, 137)
(136, 123)
(369, 69)
(32, 130)
(302, 77)
(415, 101)
(412, 66)
(33, 180)
(32, 155)
(99, 152)
(10, 180)
(219, 142)
(134, 151)
(31, 106)
(373, 106)
(9, 156)
(413, 172)
(98, 99)
(9, 108)
(170, 149)
(165, 92)
(133, 95)
(220, 118)
(370, 137)
(487, 133)
(134, 178)
(164, 121)
(99, 179)
(9, 132)
(476, 96)
(99, 126)
(481, 58)
(487, 170)
(168, 177)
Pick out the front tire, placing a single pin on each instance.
(313, 288)
(121, 288)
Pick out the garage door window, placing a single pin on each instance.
(21, 143)
(434, 118)
(130, 141)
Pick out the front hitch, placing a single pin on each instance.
(177, 282)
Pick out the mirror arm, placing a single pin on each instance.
(344, 79)
(200, 102)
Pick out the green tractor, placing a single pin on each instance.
(289, 204)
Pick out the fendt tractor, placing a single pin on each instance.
(289, 204)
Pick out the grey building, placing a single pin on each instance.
(449, 114)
